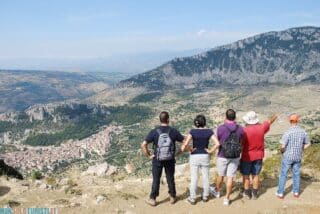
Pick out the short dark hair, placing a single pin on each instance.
(231, 114)
(164, 117)
(200, 121)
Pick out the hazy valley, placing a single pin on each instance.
(20, 89)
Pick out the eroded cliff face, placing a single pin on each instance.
(54, 113)
(285, 57)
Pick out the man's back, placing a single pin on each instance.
(173, 133)
(223, 132)
(294, 139)
(253, 143)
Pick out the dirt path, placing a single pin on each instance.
(128, 197)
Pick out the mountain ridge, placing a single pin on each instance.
(287, 57)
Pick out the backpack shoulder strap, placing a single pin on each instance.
(159, 131)
(231, 131)
(237, 126)
(227, 127)
(155, 143)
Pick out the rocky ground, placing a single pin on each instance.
(77, 192)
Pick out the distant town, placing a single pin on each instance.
(48, 158)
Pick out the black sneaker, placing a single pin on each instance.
(254, 194)
(173, 200)
(246, 194)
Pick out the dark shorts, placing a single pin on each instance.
(250, 167)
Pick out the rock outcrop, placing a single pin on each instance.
(9, 171)
(101, 170)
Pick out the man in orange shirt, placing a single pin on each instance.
(253, 151)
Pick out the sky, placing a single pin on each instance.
(79, 29)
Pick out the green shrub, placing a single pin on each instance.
(271, 167)
(82, 109)
(74, 191)
(9, 203)
(80, 130)
(271, 144)
(51, 181)
(128, 115)
(147, 97)
(71, 183)
(126, 196)
(5, 126)
(311, 157)
(90, 124)
(315, 138)
(17, 127)
(36, 175)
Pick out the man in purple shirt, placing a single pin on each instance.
(227, 166)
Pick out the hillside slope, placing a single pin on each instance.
(285, 57)
(20, 89)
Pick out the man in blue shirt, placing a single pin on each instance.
(161, 157)
(293, 142)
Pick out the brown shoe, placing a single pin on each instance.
(151, 202)
(173, 200)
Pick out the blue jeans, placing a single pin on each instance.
(285, 166)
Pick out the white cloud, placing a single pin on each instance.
(223, 35)
(201, 32)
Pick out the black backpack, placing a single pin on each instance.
(231, 147)
(165, 148)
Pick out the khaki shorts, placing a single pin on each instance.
(227, 167)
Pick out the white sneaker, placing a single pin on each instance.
(191, 201)
(214, 192)
(279, 195)
(226, 202)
